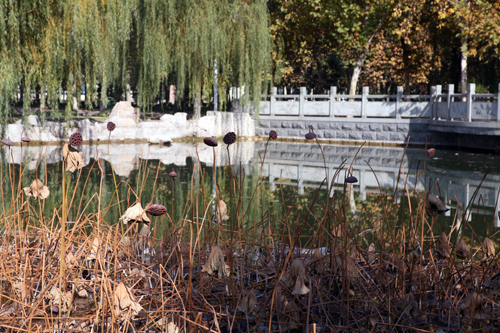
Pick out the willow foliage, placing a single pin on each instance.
(57, 45)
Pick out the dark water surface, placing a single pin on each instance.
(292, 174)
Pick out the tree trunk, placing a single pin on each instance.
(357, 71)
(406, 64)
(463, 68)
(76, 97)
(42, 98)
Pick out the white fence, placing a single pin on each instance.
(449, 106)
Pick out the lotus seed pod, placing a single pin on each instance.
(111, 126)
(229, 138)
(210, 141)
(431, 152)
(25, 139)
(173, 174)
(351, 180)
(310, 136)
(156, 210)
(273, 135)
(7, 141)
(75, 139)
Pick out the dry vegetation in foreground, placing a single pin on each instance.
(216, 272)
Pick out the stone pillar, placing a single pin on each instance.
(472, 91)
(433, 102)
(302, 96)
(439, 91)
(399, 93)
(451, 90)
(498, 103)
(272, 99)
(364, 101)
(333, 92)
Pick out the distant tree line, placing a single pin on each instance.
(140, 47)
(386, 43)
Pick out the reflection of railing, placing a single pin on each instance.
(449, 106)
(308, 170)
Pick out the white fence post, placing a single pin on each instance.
(433, 102)
(439, 91)
(451, 90)
(303, 92)
(274, 91)
(498, 103)
(472, 91)
(399, 93)
(333, 92)
(364, 101)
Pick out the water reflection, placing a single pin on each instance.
(292, 174)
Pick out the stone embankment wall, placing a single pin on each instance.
(129, 128)
(381, 131)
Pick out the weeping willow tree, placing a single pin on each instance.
(51, 46)
(188, 37)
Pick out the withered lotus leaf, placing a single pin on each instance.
(74, 159)
(296, 278)
(248, 302)
(473, 305)
(488, 249)
(493, 283)
(135, 213)
(215, 263)
(222, 212)
(462, 250)
(444, 249)
(433, 204)
(37, 190)
(124, 301)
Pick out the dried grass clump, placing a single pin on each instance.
(135, 214)
(215, 263)
(37, 190)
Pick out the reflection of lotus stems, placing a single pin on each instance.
(114, 178)
(173, 198)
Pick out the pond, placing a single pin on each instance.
(282, 180)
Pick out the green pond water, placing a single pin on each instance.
(294, 180)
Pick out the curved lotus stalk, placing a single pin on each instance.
(135, 214)
(222, 212)
(73, 158)
(433, 204)
(444, 249)
(488, 249)
(296, 278)
(37, 190)
(215, 263)
(248, 302)
(462, 250)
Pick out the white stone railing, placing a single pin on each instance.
(449, 106)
